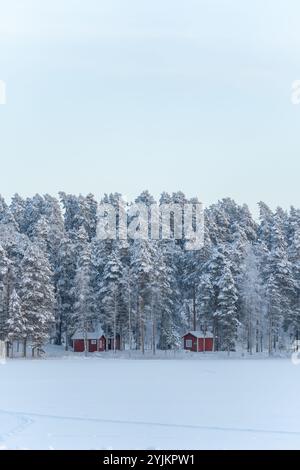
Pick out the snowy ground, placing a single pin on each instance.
(78, 403)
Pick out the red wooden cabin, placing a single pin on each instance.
(96, 341)
(198, 342)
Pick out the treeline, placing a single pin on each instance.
(56, 276)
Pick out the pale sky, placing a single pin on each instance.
(126, 95)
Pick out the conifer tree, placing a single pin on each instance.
(37, 296)
(16, 326)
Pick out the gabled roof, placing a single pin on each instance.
(199, 334)
(96, 334)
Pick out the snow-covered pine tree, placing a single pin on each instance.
(4, 295)
(34, 210)
(65, 291)
(80, 212)
(142, 258)
(86, 215)
(84, 309)
(292, 319)
(37, 296)
(3, 208)
(16, 325)
(252, 300)
(293, 224)
(165, 295)
(17, 208)
(266, 223)
(280, 284)
(114, 319)
(55, 230)
(129, 312)
(274, 312)
(210, 275)
(206, 301)
(39, 234)
(89, 208)
(73, 217)
(227, 310)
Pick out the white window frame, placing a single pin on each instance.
(93, 341)
(188, 343)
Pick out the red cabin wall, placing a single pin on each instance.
(194, 340)
(78, 345)
(209, 343)
(93, 347)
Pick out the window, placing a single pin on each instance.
(93, 341)
(188, 343)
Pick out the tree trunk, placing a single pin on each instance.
(58, 333)
(194, 309)
(270, 341)
(106, 339)
(137, 325)
(129, 319)
(216, 335)
(142, 326)
(85, 342)
(24, 348)
(249, 331)
(257, 337)
(115, 322)
(67, 340)
(154, 335)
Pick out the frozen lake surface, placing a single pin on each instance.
(94, 403)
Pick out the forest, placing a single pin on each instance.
(57, 276)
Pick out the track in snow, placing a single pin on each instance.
(27, 420)
(23, 422)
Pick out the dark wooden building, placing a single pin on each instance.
(96, 341)
(198, 342)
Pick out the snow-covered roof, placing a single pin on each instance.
(200, 334)
(96, 334)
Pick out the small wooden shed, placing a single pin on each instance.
(197, 341)
(96, 341)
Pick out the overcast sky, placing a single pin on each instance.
(123, 95)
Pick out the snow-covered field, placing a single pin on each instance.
(78, 403)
